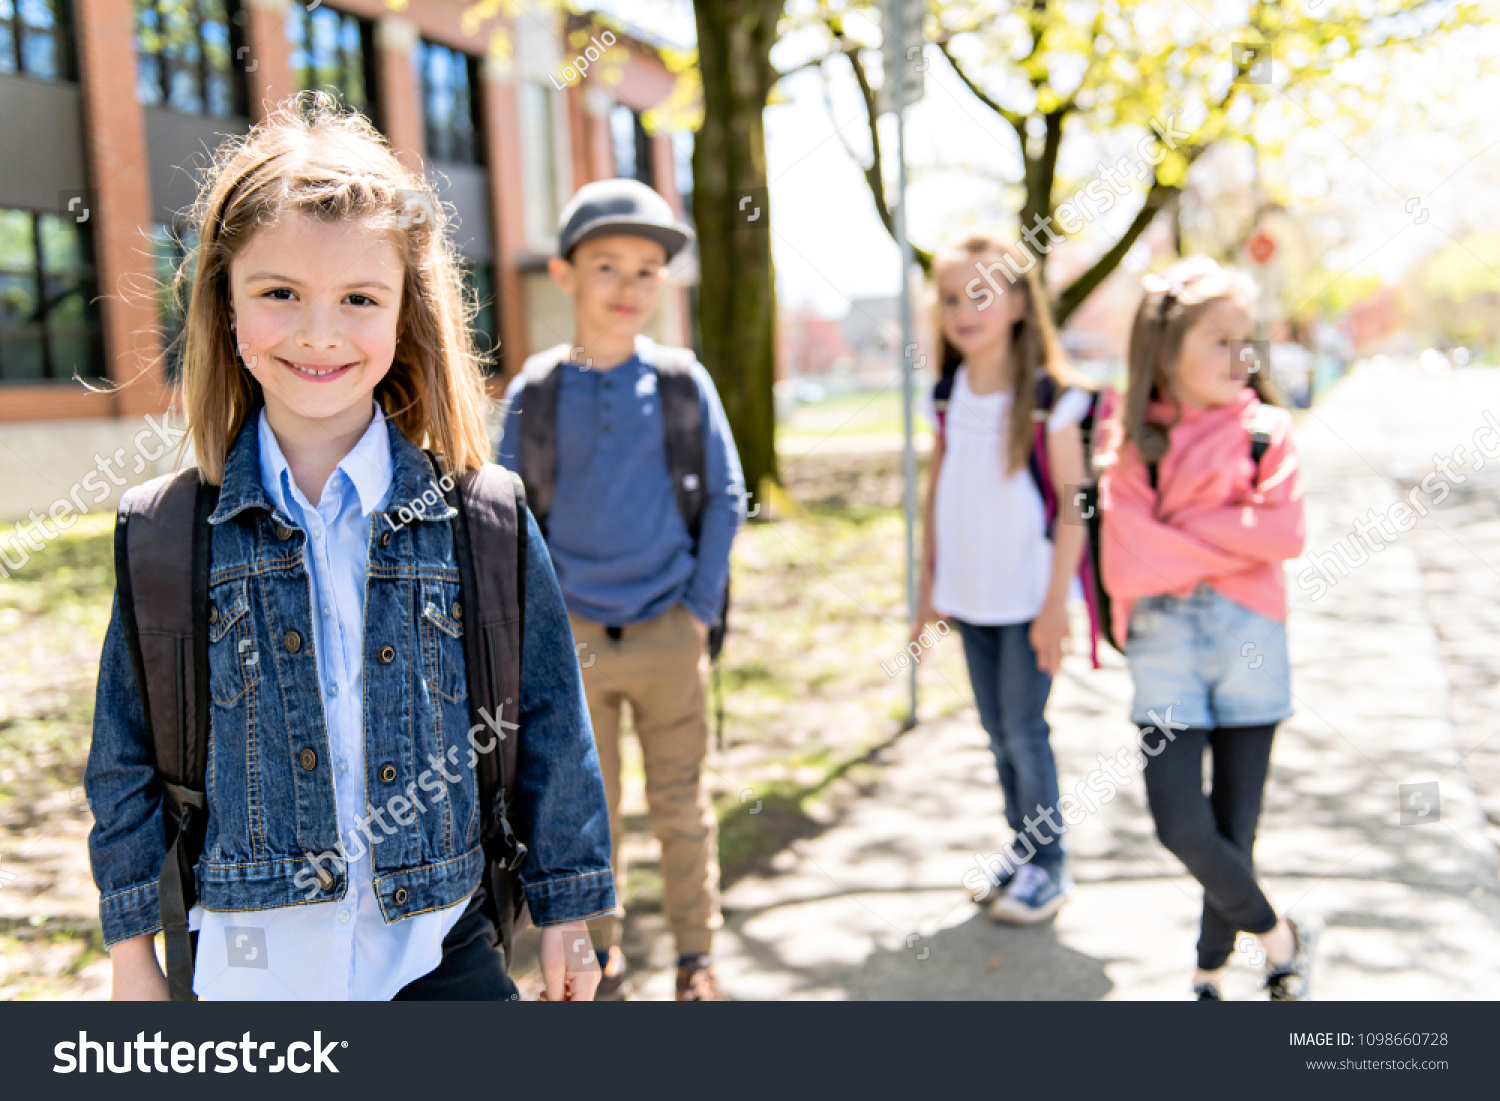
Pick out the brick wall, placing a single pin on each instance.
(121, 189)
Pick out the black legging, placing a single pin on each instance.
(1214, 834)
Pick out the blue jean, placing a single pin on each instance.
(1205, 661)
(1011, 694)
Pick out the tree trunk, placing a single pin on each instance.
(737, 303)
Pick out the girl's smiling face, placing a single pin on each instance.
(976, 323)
(1203, 376)
(315, 306)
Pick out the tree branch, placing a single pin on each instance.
(1014, 118)
(874, 176)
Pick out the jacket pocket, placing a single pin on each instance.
(233, 660)
(442, 633)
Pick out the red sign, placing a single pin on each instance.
(1261, 247)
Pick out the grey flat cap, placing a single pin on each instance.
(609, 207)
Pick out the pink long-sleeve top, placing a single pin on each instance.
(1214, 517)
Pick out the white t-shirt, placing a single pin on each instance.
(993, 556)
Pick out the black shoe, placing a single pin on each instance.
(1292, 982)
(1208, 992)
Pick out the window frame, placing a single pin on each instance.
(368, 55)
(474, 82)
(167, 66)
(84, 281)
(644, 152)
(64, 48)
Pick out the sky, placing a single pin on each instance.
(1425, 174)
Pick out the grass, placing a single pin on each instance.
(873, 413)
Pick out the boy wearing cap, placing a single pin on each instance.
(640, 549)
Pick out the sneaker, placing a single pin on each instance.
(1292, 982)
(699, 984)
(612, 969)
(1034, 895)
(1207, 992)
(994, 888)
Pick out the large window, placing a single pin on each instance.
(170, 248)
(48, 325)
(632, 145)
(481, 280)
(35, 39)
(189, 56)
(334, 52)
(450, 92)
(539, 163)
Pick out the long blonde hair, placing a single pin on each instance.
(1173, 303)
(311, 158)
(1034, 345)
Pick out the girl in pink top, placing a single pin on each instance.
(1202, 503)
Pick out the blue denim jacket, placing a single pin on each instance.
(268, 812)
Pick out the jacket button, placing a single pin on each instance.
(400, 895)
(213, 614)
(309, 759)
(283, 532)
(458, 610)
(388, 773)
(325, 879)
(387, 655)
(293, 642)
(385, 539)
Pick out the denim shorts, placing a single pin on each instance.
(1204, 661)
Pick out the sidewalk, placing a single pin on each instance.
(873, 907)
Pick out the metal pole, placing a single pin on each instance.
(908, 382)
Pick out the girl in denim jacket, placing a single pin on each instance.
(1202, 504)
(326, 344)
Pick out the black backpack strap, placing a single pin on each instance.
(490, 529)
(162, 563)
(1260, 443)
(682, 420)
(538, 398)
(1047, 392)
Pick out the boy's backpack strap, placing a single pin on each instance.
(682, 422)
(687, 455)
(539, 429)
(490, 545)
(162, 563)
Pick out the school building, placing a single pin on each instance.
(108, 111)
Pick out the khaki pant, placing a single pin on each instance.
(657, 666)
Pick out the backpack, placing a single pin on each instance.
(1100, 408)
(1260, 442)
(162, 569)
(682, 421)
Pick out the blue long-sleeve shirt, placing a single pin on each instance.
(619, 545)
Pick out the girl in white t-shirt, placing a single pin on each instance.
(988, 562)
